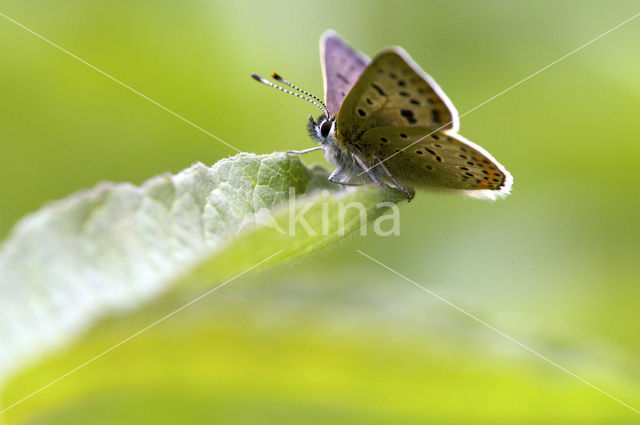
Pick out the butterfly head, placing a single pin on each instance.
(322, 130)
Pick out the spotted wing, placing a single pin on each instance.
(394, 91)
(440, 160)
(341, 67)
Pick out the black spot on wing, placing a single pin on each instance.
(343, 78)
(409, 116)
(378, 89)
(435, 117)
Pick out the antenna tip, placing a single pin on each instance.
(276, 76)
(256, 77)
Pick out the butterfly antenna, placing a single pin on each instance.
(283, 81)
(275, 86)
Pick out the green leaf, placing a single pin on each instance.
(117, 246)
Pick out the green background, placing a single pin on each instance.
(338, 339)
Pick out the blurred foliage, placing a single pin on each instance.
(337, 338)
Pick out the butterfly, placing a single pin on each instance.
(386, 121)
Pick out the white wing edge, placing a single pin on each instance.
(486, 194)
(445, 99)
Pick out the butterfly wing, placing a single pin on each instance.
(394, 91)
(341, 68)
(396, 113)
(440, 160)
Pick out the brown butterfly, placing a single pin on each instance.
(387, 121)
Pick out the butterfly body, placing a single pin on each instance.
(341, 154)
(388, 122)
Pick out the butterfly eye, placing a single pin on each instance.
(325, 128)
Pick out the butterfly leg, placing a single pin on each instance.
(335, 178)
(302, 152)
(365, 169)
(399, 186)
